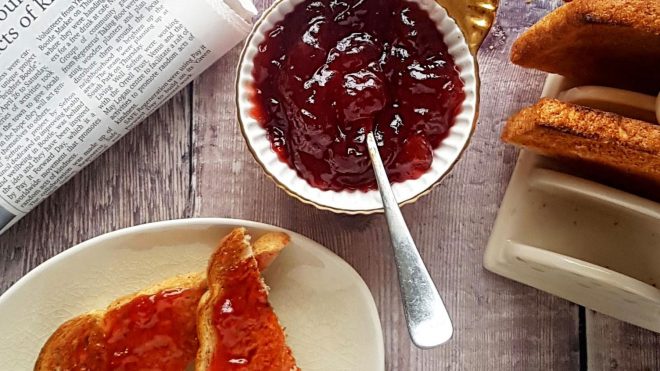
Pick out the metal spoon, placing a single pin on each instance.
(428, 322)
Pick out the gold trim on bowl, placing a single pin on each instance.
(474, 18)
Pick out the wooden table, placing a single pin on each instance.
(189, 160)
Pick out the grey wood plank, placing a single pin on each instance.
(615, 345)
(500, 324)
(143, 178)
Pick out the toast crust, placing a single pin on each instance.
(560, 129)
(82, 335)
(237, 327)
(603, 42)
(268, 247)
(82, 342)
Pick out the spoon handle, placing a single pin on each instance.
(428, 322)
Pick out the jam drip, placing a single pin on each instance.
(332, 71)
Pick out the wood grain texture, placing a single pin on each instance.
(143, 178)
(499, 324)
(615, 345)
(189, 159)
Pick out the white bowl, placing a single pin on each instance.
(357, 202)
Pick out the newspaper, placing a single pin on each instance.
(77, 75)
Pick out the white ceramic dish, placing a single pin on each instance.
(583, 241)
(319, 298)
(624, 102)
(354, 202)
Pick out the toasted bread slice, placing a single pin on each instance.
(560, 129)
(76, 345)
(268, 247)
(155, 328)
(237, 327)
(609, 42)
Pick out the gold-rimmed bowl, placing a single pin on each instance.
(348, 201)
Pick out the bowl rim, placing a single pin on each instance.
(304, 200)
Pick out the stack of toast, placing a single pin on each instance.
(612, 47)
(218, 320)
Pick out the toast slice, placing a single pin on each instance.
(566, 130)
(76, 345)
(610, 42)
(237, 327)
(155, 328)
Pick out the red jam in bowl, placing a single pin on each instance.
(333, 70)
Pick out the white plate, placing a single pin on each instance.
(329, 314)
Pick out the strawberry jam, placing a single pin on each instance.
(155, 332)
(248, 334)
(333, 70)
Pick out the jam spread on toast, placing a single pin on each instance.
(248, 334)
(88, 349)
(332, 71)
(157, 330)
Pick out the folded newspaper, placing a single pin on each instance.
(76, 75)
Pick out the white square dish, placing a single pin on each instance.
(586, 242)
